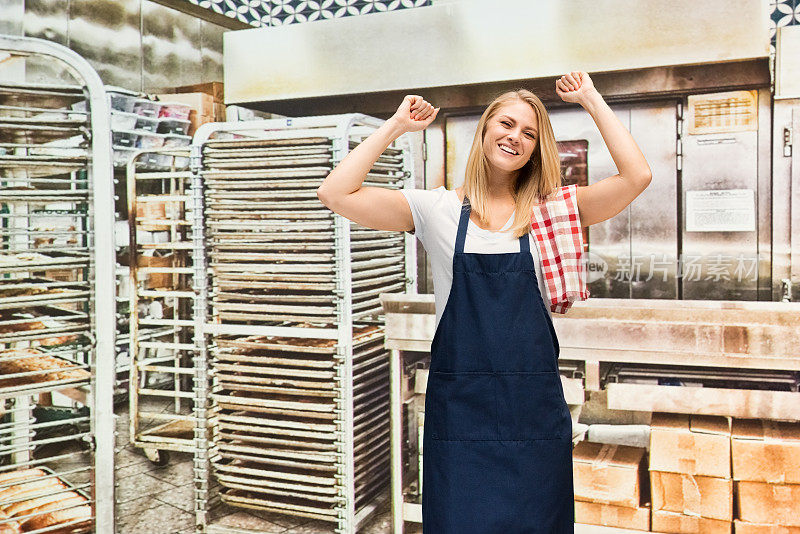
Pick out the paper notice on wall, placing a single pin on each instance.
(732, 111)
(721, 210)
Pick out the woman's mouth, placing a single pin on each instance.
(506, 149)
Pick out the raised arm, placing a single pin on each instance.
(608, 197)
(379, 208)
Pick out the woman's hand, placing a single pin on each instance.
(414, 114)
(575, 87)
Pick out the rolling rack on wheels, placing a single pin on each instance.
(161, 303)
(292, 377)
(57, 298)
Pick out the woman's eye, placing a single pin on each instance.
(505, 123)
(531, 136)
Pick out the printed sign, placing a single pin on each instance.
(723, 210)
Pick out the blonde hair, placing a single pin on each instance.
(537, 179)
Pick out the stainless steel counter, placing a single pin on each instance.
(731, 358)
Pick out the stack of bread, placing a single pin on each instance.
(610, 483)
(690, 473)
(31, 499)
(766, 471)
(12, 362)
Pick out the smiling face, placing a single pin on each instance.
(511, 136)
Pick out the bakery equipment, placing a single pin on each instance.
(291, 375)
(161, 279)
(57, 308)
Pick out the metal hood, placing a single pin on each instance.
(475, 42)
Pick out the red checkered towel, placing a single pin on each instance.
(557, 228)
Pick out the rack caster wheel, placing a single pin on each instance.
(157, 457)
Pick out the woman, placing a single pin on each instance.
(498, 434)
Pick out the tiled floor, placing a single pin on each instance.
(153, 500)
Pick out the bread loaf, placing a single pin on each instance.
(12, 527)
(21, 327)
(50, 519)
(19, 474)
(10, 363)
(22, 507)
(31, 488)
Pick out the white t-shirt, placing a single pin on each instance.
(436, 213)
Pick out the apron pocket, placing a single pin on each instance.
(460, 406)
(532, 406)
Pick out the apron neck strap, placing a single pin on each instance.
(461, 237)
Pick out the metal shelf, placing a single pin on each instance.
(161, 348)
(56, 286)
(291, 378)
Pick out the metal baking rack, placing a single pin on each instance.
(57, 309)
(291, 373)
(161, 341)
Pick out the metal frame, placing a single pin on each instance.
(171, 335)
(339, 129)
(101, 269)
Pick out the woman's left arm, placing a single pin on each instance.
(608, 197)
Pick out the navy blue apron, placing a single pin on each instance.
(497, 443)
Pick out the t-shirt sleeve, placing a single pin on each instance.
(421, 202)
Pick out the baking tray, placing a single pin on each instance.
(18, 112)
(270, 151)
(30, 167)
(256, 268)
(253, 180)
(220, 245)
(272, 199)
(31, 388)
(32, 194)
(389, 152)
(266, 429)
(50, 96)
(41, 291)
(294, 442)
(256, 179)
(292, 506)
(278, 460)
(293, 161)
(278, 488)
(211, 146)
(61, 321)
(361, 335)
(79, 210)
(75, 526)
(322, 476)
(18, 132)
(281, 224)
(274, 459)
(264, 314)
(237, 207)
(309, 407)
(270, 282)
(45, 285)
(270, 376)
(32, 260)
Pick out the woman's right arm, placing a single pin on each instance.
(379, 208)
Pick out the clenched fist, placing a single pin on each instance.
(414, 114)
